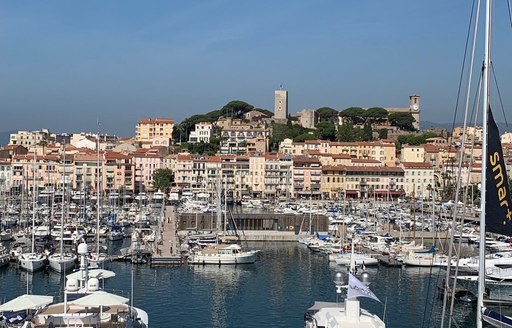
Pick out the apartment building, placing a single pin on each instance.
(418, 179)
(29, 138)
(148, 129)
(202, 133)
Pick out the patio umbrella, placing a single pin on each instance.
(26, 302)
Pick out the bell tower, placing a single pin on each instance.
(414, 109)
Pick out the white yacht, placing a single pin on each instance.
(32, 261)
(223, 254)
(347, 313)
(93, 307)
(358, 258)
(62, 261)
(4, 256)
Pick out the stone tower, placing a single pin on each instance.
(281, 104)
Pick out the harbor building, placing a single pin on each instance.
(418, 179)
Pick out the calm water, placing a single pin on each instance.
(273, 292)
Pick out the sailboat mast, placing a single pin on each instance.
(62, 216)
(485, 106)
(34, 202)
(98, 194)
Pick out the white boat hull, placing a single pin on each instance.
(62, 263)
(32, 261)
(222, 259)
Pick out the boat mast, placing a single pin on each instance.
(62, 216)
(485, 105)
(34, 202)
(98, 193)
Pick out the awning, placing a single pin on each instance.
(93, 273)
(100, 298)
(26, 302)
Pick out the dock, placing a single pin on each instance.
(167, 250)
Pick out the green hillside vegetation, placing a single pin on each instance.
(234, 109)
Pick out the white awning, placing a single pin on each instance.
(93, 273)
(26, 302)
(100, 298)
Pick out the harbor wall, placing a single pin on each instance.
(256, 221)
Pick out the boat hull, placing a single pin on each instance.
(32, 262)
(62, 264)
(221, 259)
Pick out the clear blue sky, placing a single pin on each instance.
(63, 64)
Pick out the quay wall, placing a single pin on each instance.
(255, 221)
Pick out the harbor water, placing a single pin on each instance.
(273, 292)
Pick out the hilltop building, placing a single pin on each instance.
(202, 133)
(307, 118)
(281, 105)
(29, 138)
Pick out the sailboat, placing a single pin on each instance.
(96, 258)
(33, 261)
(496, 204)
(222, 253)
(62, 261)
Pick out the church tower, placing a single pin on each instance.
(414, 109)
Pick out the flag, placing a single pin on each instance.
(357, 289)
(498, 210)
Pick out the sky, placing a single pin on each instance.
(64, 65)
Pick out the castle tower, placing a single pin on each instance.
(414, 109)
(281, 104)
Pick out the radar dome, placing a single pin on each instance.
(82, 249)
(72, 285)
(93, 284)
(365, 278)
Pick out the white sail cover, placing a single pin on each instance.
(357, 289)
(26, 302)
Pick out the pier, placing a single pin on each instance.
(167, 249)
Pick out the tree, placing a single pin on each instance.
(283, 131)
(376, 114)
(347, 132)
(326, 131)
(367, 134)
(383, 133)
(327, 114)
(402, 120)
(355, 114)
(163, 179)
(236, 109)
(304, 136)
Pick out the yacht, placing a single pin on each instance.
(62, 261)
(223, 254)
(93, 307)
(347, 313)
(4, 256)
(32, 261)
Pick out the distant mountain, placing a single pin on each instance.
(448, 126)
(4, 137)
